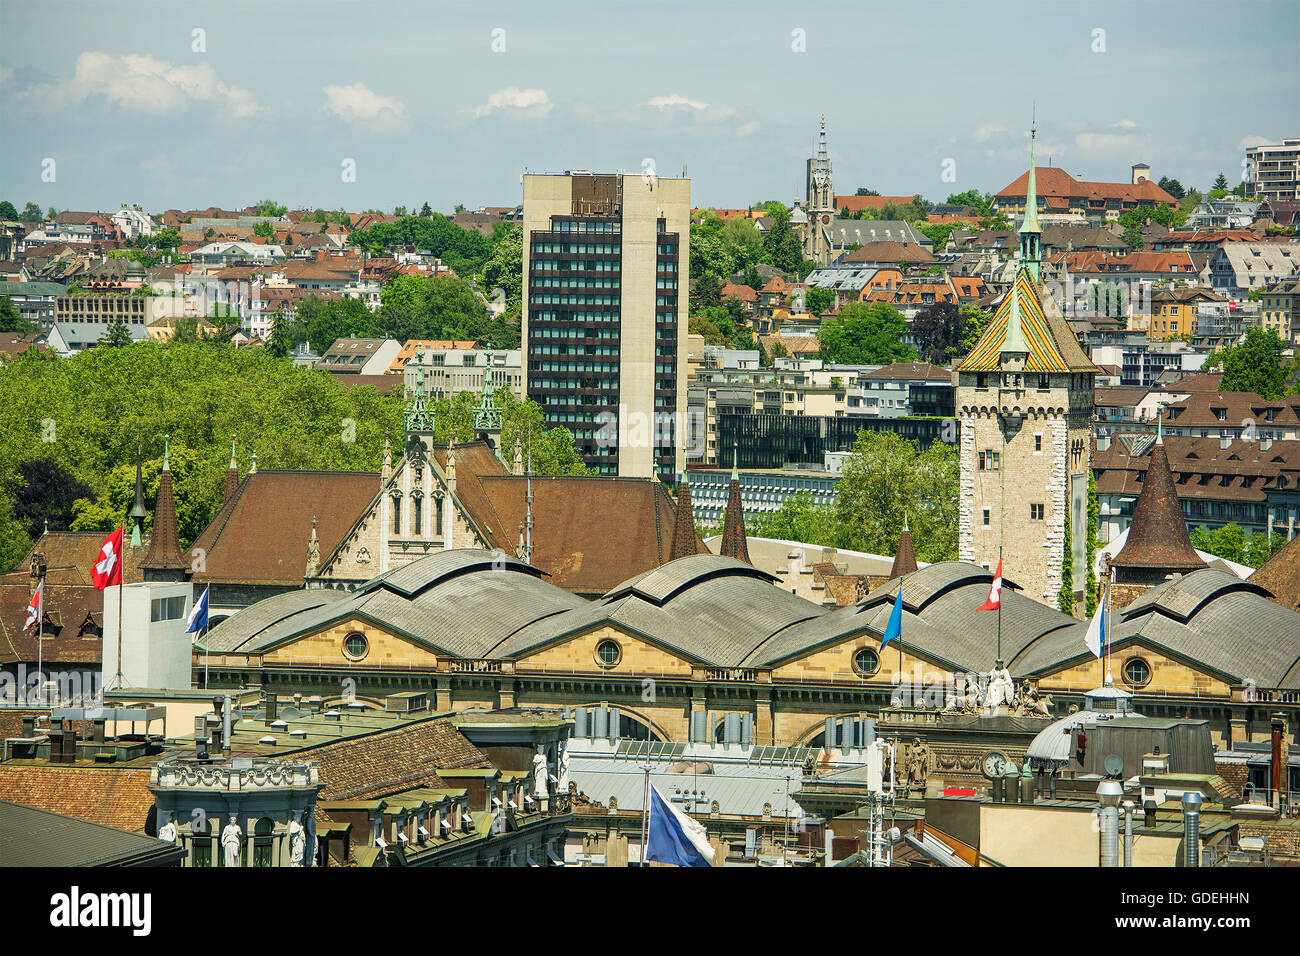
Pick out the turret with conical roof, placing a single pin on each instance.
(1030, 234)
(1158, 544)
(904, 556)
(685, 540)
(164, 561)
(734, 543)
(138, 512)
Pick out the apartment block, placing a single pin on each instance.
(606, 277)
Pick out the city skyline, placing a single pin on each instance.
(452, 105)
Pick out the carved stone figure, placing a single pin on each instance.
(297, 843)
(1002, 688)
(563, 774)
(232, 843)
(539, 773)
(918, 762)
(167, 832)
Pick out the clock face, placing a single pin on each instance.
(826, 219)
(994, 764)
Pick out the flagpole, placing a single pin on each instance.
(121, 597)
(1109, 637)
(645, 815)
(999, 657)
(40, 638)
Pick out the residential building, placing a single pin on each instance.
(35, 301)
(1226, 213)
(360, 356)
(606, 271)
(1280, 310)
(1239, 268)
(1173, 312)
(762, 491)
(1063, 198)
(1273, 171)
(448, 371)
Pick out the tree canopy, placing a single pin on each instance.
(1253, 366)
(865, 335)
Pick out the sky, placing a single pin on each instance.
(361, 105)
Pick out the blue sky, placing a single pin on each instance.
(282, 92)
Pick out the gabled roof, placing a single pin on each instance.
(260, 534)
(1051, 342)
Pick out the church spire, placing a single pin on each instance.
(685, 541)
(164, 557)
(904, 555)
(1030, 234)
(734, 543)
(138, 511)
(232, 473)
(313, 551)
(1158, 543)
(418, 417)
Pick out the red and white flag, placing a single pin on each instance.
(107, 571)
(34, 609)
(995, 592)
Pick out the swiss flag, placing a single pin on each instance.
(995, 592)
(107, 571)
(34, 609)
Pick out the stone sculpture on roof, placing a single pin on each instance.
(231, 843)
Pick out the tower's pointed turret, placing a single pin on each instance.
(164, 561)
(232, 473)
(313, 551)
(138, 512)
(685, 540)
(734, 543)
(1030, 235)
(904, 556)
(1158, 544)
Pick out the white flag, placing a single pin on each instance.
(1096, 635)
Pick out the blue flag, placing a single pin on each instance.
(674, 837)
(895, 627)
(198, 619)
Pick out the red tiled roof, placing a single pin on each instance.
(1052, 182)
(858, 203)
(117, 797)
(260, 534)
(744, 293)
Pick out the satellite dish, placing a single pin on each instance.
(1114, 765)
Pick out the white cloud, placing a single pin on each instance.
(363, 106)
(1124, 124)
(1248, 142)
(145, 84)
(662, 103)
(532, 101)
(1109, 143)
(986, 131)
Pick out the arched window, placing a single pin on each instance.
(417, 515)
(1137, 672)
(262, 843)
(397, 514)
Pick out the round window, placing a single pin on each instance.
(355, 646)
(1137, 671)
(866, 661)
(608, 653)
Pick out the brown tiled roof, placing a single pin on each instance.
(1201, 467)
(1201, 410)
(1280, 575)
(1158, 538)
(376, 765)
(116, 798)
(70, 612)
(384, 384)
(1054, 182)
(858, 203)
(913, 371)
(733, 290)
(260, 535)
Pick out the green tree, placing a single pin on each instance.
(1065, 596)
(782, 244)
(11, 320)
(31, 213)
(1253, 366)
(505, 269)
(264, 230)
(1172, 186)
(798, 519)
(1221, 183)
(8, 212)
(117, 335)
(864, 191)
(817, 300)
(865, 335)
(888, 476)
(269, 207)
(1094, 518)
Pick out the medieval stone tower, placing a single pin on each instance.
(1024, 403)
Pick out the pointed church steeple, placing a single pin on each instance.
(685, 540)
(418, 418)
(313, 551)
(1030, 235)
(164, 561)
(232, 473)
(487, 417)
(138, 512)
(734, 543)
(904, 556)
